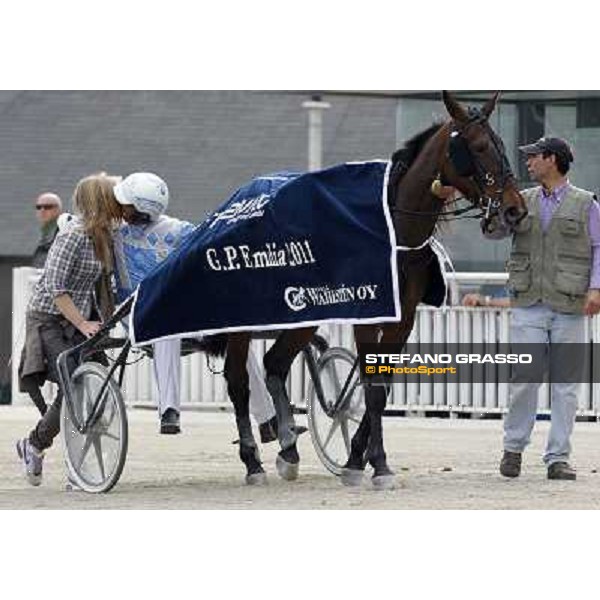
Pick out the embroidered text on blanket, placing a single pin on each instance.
(299, 298)
(251, 208)
(269, 255)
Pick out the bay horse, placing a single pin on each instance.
(463, 152)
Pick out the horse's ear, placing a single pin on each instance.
(490, 105)
(455, 110)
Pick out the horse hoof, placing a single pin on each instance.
(256, 479)
(384, 482)
(351, 477)
(286, 470)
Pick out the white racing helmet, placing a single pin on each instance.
(147, 192)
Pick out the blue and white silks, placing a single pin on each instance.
(139, 249)
(285, 251)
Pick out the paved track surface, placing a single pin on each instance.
(441, 464)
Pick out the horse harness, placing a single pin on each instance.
(466, 164)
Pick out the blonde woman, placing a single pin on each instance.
(59, 310)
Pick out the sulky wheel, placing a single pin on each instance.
(95, 459)
(332, 420)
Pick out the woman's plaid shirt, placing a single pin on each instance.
(71, 268)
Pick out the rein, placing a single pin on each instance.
(443, 216)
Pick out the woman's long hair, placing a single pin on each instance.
(95, 201)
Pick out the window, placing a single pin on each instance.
(531, 126)
(588, 113)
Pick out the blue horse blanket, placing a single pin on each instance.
(285, 251)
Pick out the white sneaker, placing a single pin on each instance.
(33, 461)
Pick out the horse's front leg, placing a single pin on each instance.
(238, 387)
(367, 443)
(352, 473)
(278, 361)
(376, 400)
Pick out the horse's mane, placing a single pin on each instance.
(404, 157)
(409, 152)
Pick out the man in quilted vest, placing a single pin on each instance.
(554, 281)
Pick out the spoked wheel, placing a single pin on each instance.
(95, 459)
(331, 422)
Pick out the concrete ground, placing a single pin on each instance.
(441, 464)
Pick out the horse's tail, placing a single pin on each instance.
(215, 345)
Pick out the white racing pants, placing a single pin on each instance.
(167, 371)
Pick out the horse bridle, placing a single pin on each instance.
(467, 165)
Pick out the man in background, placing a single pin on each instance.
(48, 207)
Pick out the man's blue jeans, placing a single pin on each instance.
(539, 324)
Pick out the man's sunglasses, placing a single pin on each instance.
(45, 206)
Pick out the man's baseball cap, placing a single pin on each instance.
(551, 145)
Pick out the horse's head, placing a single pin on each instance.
(476, 164)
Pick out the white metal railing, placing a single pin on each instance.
(458, 280)
(461, 325)
(453, 325)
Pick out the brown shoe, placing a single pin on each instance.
(510, 465)
(562, 470)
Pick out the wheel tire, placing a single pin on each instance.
(106, 442)
(333, 368)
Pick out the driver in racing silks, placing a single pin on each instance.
(146, 239)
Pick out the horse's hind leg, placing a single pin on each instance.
(278, 361)
(238, 387)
